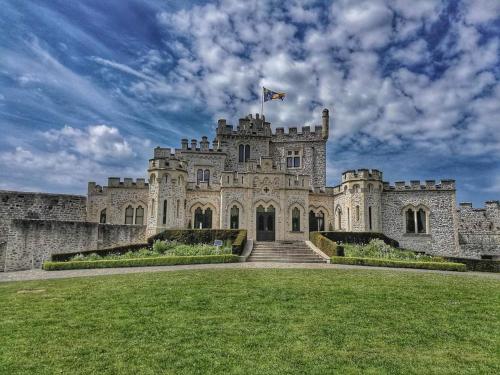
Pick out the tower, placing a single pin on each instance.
(363, 200)
(167, 194)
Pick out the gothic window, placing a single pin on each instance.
(410, 221)
(198, 218)
(164, 219)
(207, 222)
(313, 225)
(293, 159)
(295, 220)
(152, 207)
(260, 218)
(421, 221)
(206, 176)
(235, 216)
(355, 188)
(166, 178)
(177, 208)
(370, 188)
(247, 152)
(129, 215)
(357, 213)
(139, 216)
(370, 217)
(199, 176)
(320, 217)
(202, 219)
(102, 218)
(241, 153)
(339, 219)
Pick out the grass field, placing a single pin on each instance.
(252, 322)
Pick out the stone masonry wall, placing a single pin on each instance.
(23, 205)
(479, 230)
(30, 242)
(442, 239)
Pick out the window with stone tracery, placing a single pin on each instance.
(416, 220)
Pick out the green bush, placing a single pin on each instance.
(362, 238)
(102, 252)
(377, 248)
(161, 246)
(326, 245)
(141, 262)
(377, 262)
(478, 265)
(207, 236)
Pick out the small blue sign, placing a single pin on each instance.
(218, 243)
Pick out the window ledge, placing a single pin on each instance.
(297, 231)
(417, 235)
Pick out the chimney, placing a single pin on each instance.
(325, 128)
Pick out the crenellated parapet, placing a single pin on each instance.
(249, 126)
(171, 163)
(116, 182)
(293, 134)
(362, 174)
(417, 185)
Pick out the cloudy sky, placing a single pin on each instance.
(88, 88)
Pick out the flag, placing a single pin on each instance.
(271, 95)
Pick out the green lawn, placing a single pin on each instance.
(252, 322)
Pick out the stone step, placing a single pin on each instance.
(284, 252)
(282, 260)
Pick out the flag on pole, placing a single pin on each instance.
(271, 95)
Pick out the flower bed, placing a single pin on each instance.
(443, 266)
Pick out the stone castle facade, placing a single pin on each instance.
(271, 183)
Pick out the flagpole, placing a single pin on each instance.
(262, 106)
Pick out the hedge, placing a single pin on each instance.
(377, 262)
(102, 252)
(326, 245)
(360, 238)
(479, 265)
(139, 262)
(208, 236)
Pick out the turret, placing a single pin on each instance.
(325, 125)
(167, 194)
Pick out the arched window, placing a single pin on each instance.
(410, 221)
(355, 188)
(179, 180)
(198, 218)
(207, 222)
(102, 218)
(295, 220)
(178, 208)
(320, 218)
(241, 153)
(370, 217)
(313, 225)
(199, 176)
(206, 176)
(139, 215)
(370, 188)
(166, 178)
(421, 221)
(235, 217)
(247, 152)
(357, 213)
(339, 219)
(129, 215)
(164, 219)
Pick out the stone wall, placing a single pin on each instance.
(442, 238)
(23, 205)
(30, 242)
(479, 230)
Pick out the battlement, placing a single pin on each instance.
(171, 162)
(248, 126)
(362, 174)
(293, 134)
(415, 185)
(488, 205)
(115, 182)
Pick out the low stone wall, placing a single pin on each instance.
(30, 242)
(474, 245)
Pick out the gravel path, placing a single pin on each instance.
(46, 275)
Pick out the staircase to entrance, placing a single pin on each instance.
(283, 252)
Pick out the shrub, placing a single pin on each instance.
(362, 238)
(326, 245)
(142, 262)
(444, 266)
(377, 248)
(478, 265)
(160, 246)
(102, 252)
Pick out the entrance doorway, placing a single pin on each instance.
(265, 223)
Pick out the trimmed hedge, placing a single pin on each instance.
(377, 262)
(326, 245)
(208, 236)
(360, 238)
(102, 252)
(478, 265)
(140, 262)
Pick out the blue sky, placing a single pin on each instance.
(88, 88)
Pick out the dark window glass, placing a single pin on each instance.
(102, 219)
(206, 176)
(289, 162)
(296, 162)
(421, 221)
(313, 225)
(129, 215)
(198, 218)
(410, 221)
(296, 220)
(321, 221)
(370, 216)
(270, 223)
(241, 157)
(199, 176)
(235, 213)
(139, 215)
(164, 221)
(247, 152)
(260, 221)
(207, 222)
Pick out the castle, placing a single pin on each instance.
(271, 183)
